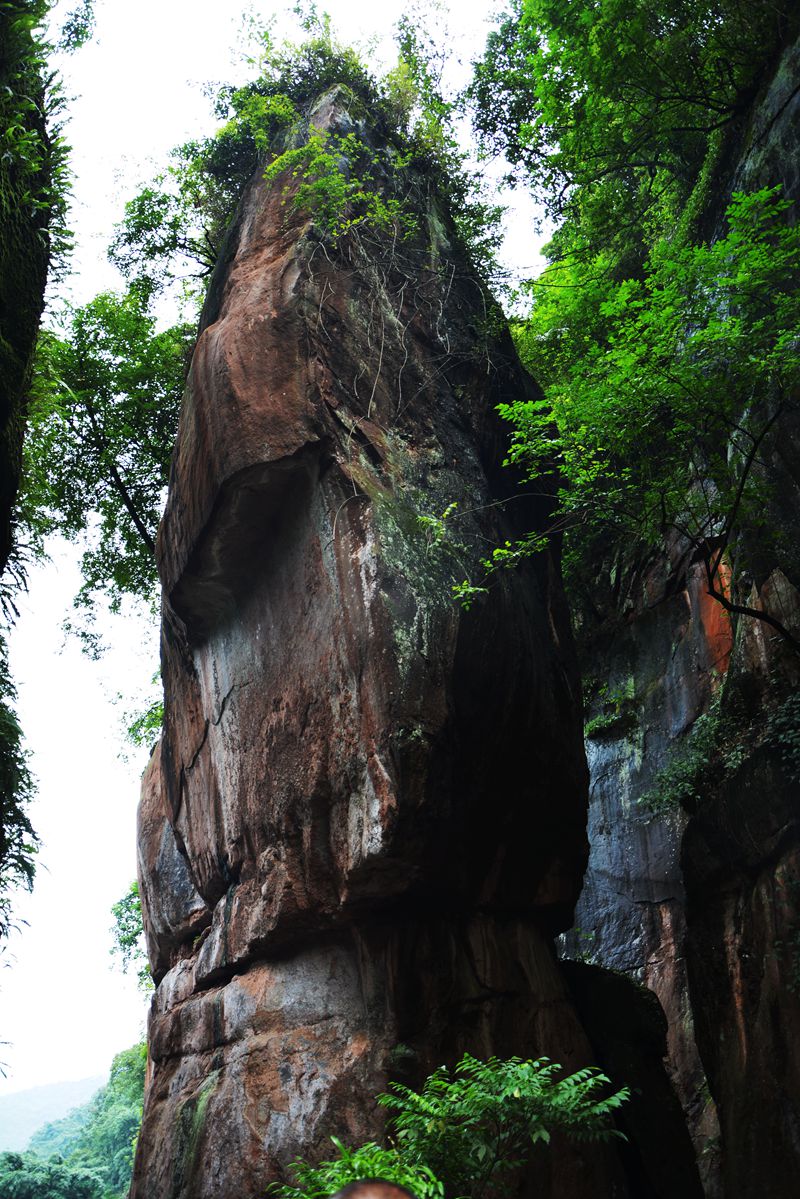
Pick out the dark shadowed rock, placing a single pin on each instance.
(628, 1031)
(663, 665)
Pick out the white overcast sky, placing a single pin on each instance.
(136, 93)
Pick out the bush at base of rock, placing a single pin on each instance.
(468, 1129)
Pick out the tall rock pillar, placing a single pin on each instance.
(366, 817)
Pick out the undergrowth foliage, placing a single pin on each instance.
(470, 1129)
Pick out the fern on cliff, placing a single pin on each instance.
(470, 1129)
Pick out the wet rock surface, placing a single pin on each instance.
(661, 670)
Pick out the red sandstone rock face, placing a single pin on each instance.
(368, 810)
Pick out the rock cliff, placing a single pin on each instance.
(366, 818)
(701, 900)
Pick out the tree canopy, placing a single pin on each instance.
(609, 110)
(664, 330)
(24, 1176)
(662, 390)
(105, 399)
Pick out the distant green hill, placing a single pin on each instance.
(23, 1112)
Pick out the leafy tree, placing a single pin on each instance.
(78, 27)
(18, 841)
(24, 1176)
(667, 360)
(108, 1140)
(103, 419)
(469, 1129)
(32, 232)
(58, 1137)
(98, 1140)
(143, 726)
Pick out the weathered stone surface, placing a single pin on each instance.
(741, 857)
(290, 1051)
(374, 800)
(173, 912)
(702, 907)
(326, 701)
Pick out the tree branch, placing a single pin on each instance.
(116, 478)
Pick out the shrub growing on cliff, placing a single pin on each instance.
(469, 1129)
(127, 931)
(175, 227)
(662, 391)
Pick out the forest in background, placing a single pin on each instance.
(89, 1153)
